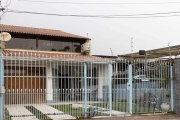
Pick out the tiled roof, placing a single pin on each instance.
(39, 31)
(49, 55)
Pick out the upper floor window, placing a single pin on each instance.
(44, 45)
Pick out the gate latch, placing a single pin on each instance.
(2, 90)
(128, 85)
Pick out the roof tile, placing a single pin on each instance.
(49, 55)
(39, 31)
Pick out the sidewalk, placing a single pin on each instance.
(151, 117)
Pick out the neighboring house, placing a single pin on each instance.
(40, 65)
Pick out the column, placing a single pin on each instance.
(110, 88)
(102, 81)
(176, 85)
(172, 88)
(2, 90)
(129, 87)
(49, 80)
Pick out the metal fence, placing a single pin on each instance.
(41, 86)
(144, 84)
(47, 86)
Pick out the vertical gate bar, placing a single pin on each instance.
(172, 87)
(91, 87)
(110, 87)
(130, 86)
(85, 87)
(2, 89)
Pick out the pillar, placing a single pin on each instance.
(177, 85)
(49, 80)
(2, 90)
(102, 82)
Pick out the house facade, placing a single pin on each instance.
(42, 65)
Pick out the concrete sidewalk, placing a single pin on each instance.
(147, 117)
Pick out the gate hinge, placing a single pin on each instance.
(2, 90)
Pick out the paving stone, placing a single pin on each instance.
(46, 109)
(18, 110)
(61, 117)
(25, 118)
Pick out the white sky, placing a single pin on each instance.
(147, 33)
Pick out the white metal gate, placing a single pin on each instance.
(151, 84)
(43, 86)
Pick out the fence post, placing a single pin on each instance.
(110, 88)
(129, 87)
(2, 90)
(85, 89)
(172, 88)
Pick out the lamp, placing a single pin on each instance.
(143, 52)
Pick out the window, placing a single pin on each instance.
(19, 43)
(43, 45)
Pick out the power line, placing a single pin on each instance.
(92, 3)
(145, 14)
(167, 14)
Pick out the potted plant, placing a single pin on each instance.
(165, 105)
(163, 84)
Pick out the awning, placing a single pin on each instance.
(155, 53)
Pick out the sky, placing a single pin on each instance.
(105, 33)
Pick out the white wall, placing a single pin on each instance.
(102, 79)
(49, 95)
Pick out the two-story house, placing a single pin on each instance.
(43, 65)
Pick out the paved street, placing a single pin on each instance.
(151, 117)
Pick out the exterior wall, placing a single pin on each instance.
(90, 53)
(177, 85)
(102, 81)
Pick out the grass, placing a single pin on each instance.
(37, 113)
(78, 113)
(119, 106)
(67, 108)
(123, 107)
(7, 116)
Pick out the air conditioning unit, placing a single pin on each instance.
(85, 47)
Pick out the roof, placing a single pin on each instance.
(36, 54)
(105, 56)
(156, 53)
(39, 31)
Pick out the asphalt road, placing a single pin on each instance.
(147, 117)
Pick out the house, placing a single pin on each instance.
(43, 65)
